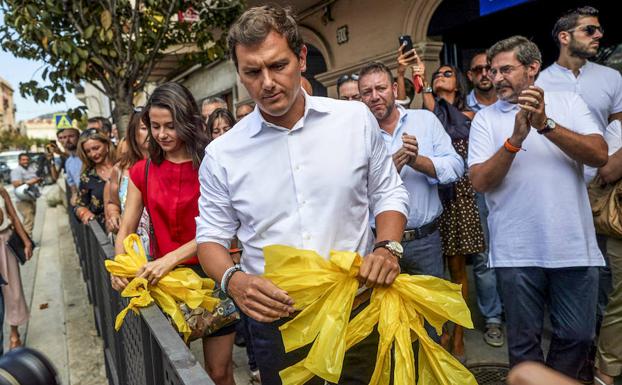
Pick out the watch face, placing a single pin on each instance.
(396, 246)
(550, 123)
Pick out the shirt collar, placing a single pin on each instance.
(311, 104)
(561, 68)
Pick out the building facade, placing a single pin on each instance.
(7, 106)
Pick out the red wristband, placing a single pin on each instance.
(510, 147)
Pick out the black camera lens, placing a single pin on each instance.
(25, 366)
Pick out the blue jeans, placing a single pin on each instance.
(358, 364)
(488, 299)
(570, 295)
(423, 256)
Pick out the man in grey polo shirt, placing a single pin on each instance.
(25, 173)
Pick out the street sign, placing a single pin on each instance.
(62, 121)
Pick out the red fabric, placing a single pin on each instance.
(173, 203)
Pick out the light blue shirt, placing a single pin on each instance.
(311, 187)
(472, 102)
(73, 167)
(435, 144)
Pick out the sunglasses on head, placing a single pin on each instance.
(589, 30)
(446, 74)
(346, 78)
(480, 69)
(89, 132)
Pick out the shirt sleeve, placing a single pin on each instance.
(217, 221)
(385, 189)
(481, 144)
(448, 164)
(583, 122)
(617, 97)
(16, 175)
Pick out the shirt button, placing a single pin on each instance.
(306, 236)
(297, 168)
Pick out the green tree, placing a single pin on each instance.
(112, 44)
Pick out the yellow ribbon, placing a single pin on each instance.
(181, 285)
(324, 291)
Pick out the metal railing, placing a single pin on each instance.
(146, 350)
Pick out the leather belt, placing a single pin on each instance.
(420, 232)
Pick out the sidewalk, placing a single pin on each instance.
(61, 322)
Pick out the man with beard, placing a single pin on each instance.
(68, 138)
(302, 171)
(483, 94)
(577, 34)
(542, 242)
(424, 157)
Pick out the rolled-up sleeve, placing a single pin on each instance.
(217, 221)
(448, 164)
(386, 191)
(481, 144)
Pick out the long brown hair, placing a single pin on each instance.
(93, 134)
(133, 152)
(187, 121)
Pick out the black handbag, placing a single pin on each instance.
(16, 245)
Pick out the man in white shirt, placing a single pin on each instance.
(424, 157)
(542, 242)
(26, 174)
(301, 171)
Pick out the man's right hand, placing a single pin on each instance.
(400, 159)
(259, 298)
(33, 181)
(521, 128)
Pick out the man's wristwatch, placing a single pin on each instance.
(394, 247)
(549, 125)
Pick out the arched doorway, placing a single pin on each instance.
(315, 65)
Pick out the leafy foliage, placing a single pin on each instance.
(112, 44)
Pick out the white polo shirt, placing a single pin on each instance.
(540, 213)
(613, 136)
(598, 85)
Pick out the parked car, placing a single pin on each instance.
(5, 173)
(11, 158)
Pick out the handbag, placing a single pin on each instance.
(202, 322)
(606, 202)
(16, 245)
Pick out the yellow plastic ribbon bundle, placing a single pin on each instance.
(181, 285)
(324, 291)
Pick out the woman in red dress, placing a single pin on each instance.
(167, 185)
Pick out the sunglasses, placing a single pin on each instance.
(346, 78)
(89, 132)
(589, 30)
(480, 69)
(446, 74)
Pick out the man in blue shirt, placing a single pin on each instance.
(424, 157)
(73, 165)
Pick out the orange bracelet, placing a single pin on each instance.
(233, 251)
(510, 147)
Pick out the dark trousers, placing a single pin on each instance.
(571, 296)
(271, 358)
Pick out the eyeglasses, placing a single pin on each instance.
(480, 69)
(89, 132)
(505, 70)
(446, 74)
(589, 30)
(346, 78)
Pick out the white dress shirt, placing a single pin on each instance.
(311, 187)
(540, 214)
(435, 144)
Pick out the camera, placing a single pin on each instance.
(25, 366)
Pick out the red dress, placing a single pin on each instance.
(173, 203)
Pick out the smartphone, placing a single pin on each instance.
(409, 43)
(417, 81)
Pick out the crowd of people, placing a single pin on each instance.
(496, 176)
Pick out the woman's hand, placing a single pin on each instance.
(118, 283)
(28, 250)
(113, 221)
(154, 271)
(86, 216)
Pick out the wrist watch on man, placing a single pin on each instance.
(394, 248)
(549, 125)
